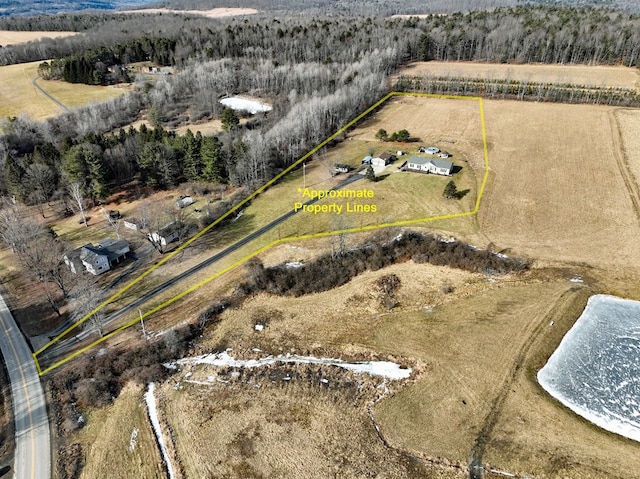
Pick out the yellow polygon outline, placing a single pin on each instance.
(273, 243)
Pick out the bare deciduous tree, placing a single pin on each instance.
(76, 193)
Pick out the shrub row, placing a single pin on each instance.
(332, 270)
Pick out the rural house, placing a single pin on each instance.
(428, 165)
(97, 259)
(382, 159)
(166, 234)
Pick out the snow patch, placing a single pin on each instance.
(150, 399)
(133, 440)
(596, 369)
(294, 264)
(247, 104)
(259, 327)
(385, 369)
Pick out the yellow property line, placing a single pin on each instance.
(273, 243)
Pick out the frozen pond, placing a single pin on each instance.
(596, 369)
(247, 104)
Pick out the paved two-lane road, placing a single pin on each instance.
(33, 452)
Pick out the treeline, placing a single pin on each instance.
(332, 270)
(93, 66)
(520, 90)
(533, 35)
(519, 34)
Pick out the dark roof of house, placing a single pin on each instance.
(109, 247)
(169, 228)
(385, 156)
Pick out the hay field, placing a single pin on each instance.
(557, 191)
(8, 37)
(597, 76)
(19, 96)
(262, 427)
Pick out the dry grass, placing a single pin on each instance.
(19, 96)
(8, 37)
(598, 76)
(264, 426)
(556, 193)
(107, 440)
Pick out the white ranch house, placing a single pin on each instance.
(429, 165)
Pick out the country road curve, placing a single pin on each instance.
(32, 459)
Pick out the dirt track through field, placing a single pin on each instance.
(484, 436)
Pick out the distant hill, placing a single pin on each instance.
(46, 7)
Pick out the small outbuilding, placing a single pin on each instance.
(341, 168)
(166, 234)
(184, 201)
(383, 159)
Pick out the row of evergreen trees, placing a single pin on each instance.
(92, 66)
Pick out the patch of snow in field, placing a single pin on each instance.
(294, 264)
(252, 106)
(596, 369)
(150, 399)
(576, 279)
(133, 440)
(385, 369)
(259, 327)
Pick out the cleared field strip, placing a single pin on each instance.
(18, 95)
(276, 242)
(596, 76)
(8, 37)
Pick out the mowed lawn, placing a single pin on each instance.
(19, 96)
(557, 190)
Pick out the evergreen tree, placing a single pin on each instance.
(230, 120)
(451, 190)
(211, 157)
(370, 174)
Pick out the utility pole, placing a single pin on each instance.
(144, 333)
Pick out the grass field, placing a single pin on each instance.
(19, 96)
(8, 37)
(555, 193)
(109, 434)
(598, 76)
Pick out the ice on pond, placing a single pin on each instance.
(595, 371)
(247, 104)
